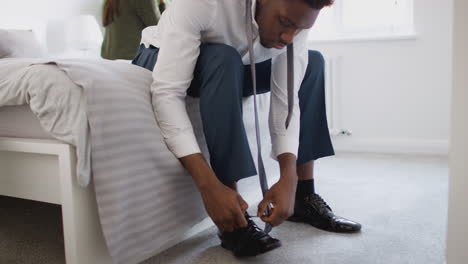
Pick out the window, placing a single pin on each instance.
(349, 19)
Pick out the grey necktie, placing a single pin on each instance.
(290, 81)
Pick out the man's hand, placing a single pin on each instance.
(281, 195)
(225, 207)
(111, 10)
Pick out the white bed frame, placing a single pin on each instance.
(45, 170)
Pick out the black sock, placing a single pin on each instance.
(304, 187)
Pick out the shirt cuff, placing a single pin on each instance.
(183, 145)
(283, 144)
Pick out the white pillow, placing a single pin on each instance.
(19, 44)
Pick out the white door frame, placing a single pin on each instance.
(457, 235)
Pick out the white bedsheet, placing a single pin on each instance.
(58, 103)
(20, 122)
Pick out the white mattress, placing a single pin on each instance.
(20, 122)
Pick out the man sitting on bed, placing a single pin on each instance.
(200, 49)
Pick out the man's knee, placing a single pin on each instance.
(218, 63)
(316, 58)
(220, 54)
(314, 72)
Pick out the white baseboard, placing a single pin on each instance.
(397, 146)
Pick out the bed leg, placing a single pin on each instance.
(84, 241)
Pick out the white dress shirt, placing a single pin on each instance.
(182, 28)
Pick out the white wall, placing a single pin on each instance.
(457, 239)
(395, 94)
(54, 13)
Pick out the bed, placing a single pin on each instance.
(40, 164)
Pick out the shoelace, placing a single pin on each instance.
(253, 230)
(318, 202)
(290, 82)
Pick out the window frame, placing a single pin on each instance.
(405, 31)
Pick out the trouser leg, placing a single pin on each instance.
(314, 136)
(146, 57)
(218, 82)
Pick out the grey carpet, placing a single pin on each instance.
(400, 200)
(30, 232)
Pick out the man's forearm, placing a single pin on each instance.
(200, 171)
(287, 162)
(204, 176)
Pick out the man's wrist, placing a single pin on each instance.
(207, 185)
(287, 162)
(289, 177)
(202, 174)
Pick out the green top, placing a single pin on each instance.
(122, 37)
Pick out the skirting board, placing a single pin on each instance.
(392, 146)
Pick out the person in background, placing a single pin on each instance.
(162, 5)
(124, 21)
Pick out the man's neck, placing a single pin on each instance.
(257, 10)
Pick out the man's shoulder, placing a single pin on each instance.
(191, 9)
(183, 3)
(210, 5)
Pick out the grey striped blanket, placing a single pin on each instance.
(138, 181)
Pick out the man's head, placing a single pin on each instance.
(279, 21)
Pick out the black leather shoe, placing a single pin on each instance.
(248, 241)
(312, 209)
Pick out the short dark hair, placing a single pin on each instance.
(319, 4)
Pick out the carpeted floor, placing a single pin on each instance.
(400, 200)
